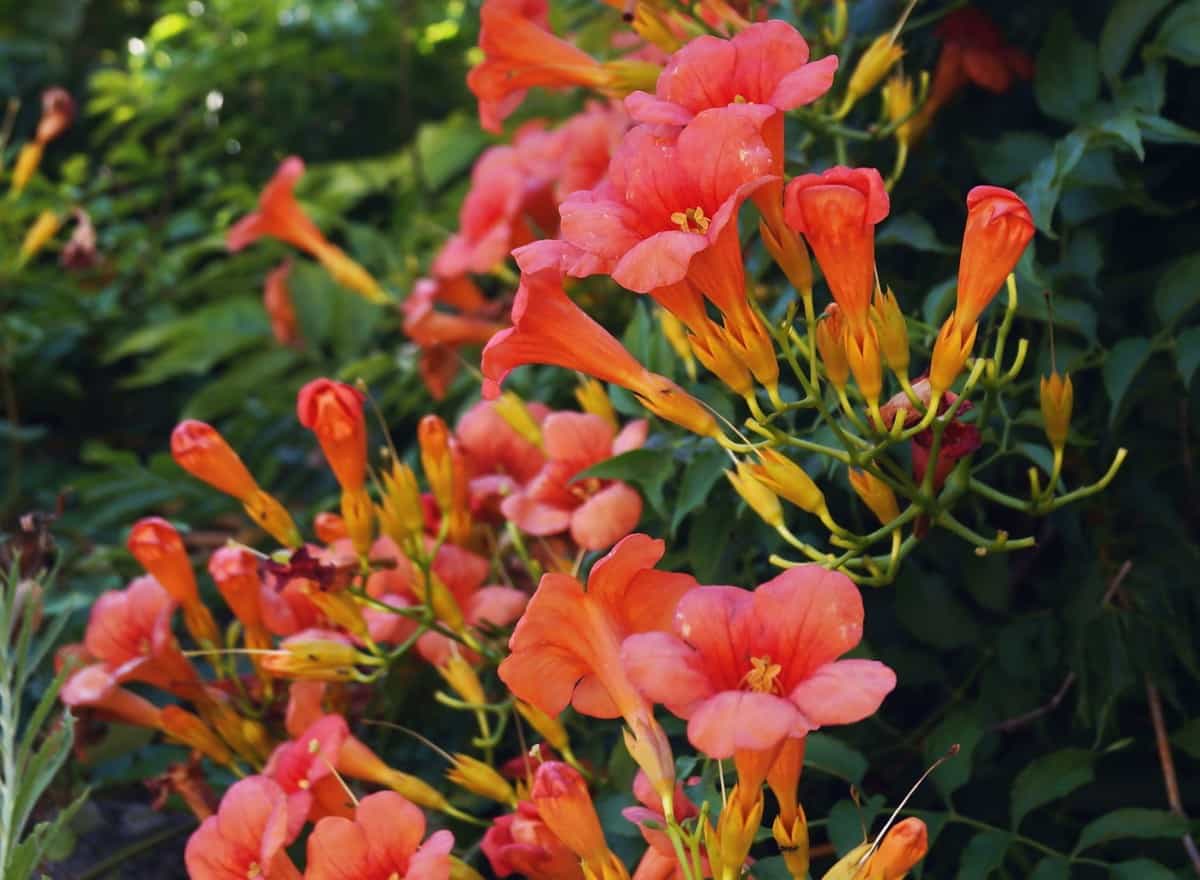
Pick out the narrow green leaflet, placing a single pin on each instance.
(1049, 778)
(1135, 822)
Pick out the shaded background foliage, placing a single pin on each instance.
(1042, 664)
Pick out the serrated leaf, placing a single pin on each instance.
(1067, 78)
(1178, 290)
(1122, 30)
(647, 468)
(830, 755)
(1049, 778)
(1137, 822)
(983, 855)
(1124, 361)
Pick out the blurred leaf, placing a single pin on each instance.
(1179, 33)
(1178, 289)
(1049, 778)
(1051, 869)
(1187, 354)
(829, 755)
(961, 726)
(983, 855)
(696, 485)
(1122, 30)
(1136, 822)
(1188, 738)
(1121, 367)
(1141, 869)
(914, 231)
(1067, 77)
(933, 613)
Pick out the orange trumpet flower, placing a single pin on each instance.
(156, 545)
(334, 412)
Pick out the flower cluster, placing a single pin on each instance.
(509, 563)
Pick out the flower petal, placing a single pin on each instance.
(606, 517)
(843, 692)
(734, 720)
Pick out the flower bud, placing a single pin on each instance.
(876, 494)
(433, 592)
(729, 843)
(951, 349)
(788, 480)
(892, 331)
(159, 549)
(358, 514)
(625, 76)
(714, 348)
(758, 496)
(434, 439)
(341, 608)
(862, 353)
(58, 112)
(462, 678)
(564, 804)
(235, 572)
(793, 843)
(550, 729)
(329, 527)
(1058, 398)
(272, 517)
(790, 254)
(315, 655)
(26, 166)
(401, 514)
(902, 847)
(898, 104)
(872, 67)
(481, 779)
(677, 337)
(200, 450)
(334, 412)
(668, 401)
(38, 236)
(594, 399)
(830, 333)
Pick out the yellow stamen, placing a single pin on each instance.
(691, 220)
(763, 678)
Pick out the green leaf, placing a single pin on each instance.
(1179, 34)
(1067, 81)
(983, 855)
(1188, 738)
(962, 727)
(699, 477)
(1051, 869)
(1122, 30)
(1124, 361)
(913, 231)
(1187, 354)
(1158, 130)
(1137, 822)
(1124, 127)
(1141, 869)
(648, 468)
(1178, 289)
(832, 756)
(1049, 778)
(932, 612)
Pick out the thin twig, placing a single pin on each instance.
(1019, 721)
(1168, 769)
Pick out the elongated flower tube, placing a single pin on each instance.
(999, 227)
(277, 301)
(563, 802)
(566, 647)
(837, 211)
(334, 412)
(280, 216)
(550, 329)
(235, 572)
(200, 450)
(95, 688)
(156, 545)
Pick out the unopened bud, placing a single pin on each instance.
(872, 67)
(551, 729)
(38, 236)
(677, 337)
(788, 480)
(758, 496)
(876, 494)
(892, 331)
(898, 104)
(829, 335)
(309, 656)
(359, 515)
(594, 399)
(481, 779)
(1058, 399)
(950, 352)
